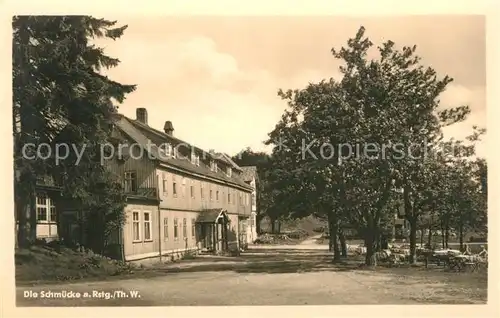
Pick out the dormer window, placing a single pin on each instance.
(167, 148)
(174, 152)
(216, 168)
(212, 165)
(195, 158)
(229, 172)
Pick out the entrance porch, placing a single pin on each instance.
(213, 226)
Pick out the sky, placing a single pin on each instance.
(216, 78)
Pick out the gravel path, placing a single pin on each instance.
(291, 275)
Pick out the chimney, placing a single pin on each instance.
(142, 115)
(168, 128)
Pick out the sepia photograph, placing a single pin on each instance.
(249, 160)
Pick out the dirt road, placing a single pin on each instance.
(281, 276)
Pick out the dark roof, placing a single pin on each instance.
(144, 135)
(47, 182)
(210, 216)
(249, 173)
(228, 158)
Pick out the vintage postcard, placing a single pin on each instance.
(167, 160)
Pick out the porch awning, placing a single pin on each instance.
(212, 216)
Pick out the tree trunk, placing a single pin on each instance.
(335, 247)
(378, 243)
(26, 209)
(443, 240)
(81, 228)
(370, 243)
(343, 244)
(411, 216)
(273, 226)
(429, 237)
(384, 242)
(446, 235)
(23, 226)
(278, 226)
(413, 239)
(461, 236)
(258, 218)
(33, 217)
(333, 230)
(331, 238)
(59, 225)
(25, 185)
(421, 237)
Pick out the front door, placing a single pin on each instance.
(206, 231)
(70, 227)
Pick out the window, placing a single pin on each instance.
(183, 187)
(165, 229)
(229, 172)
(193, 227)
(174, 187)
(211, 195)
(216, 167)
(212, 165)
(165, 184)
(192, 191)
(136, 226)
(45, 208)
(52, 211)
(41, 207)
(241, 199)
(201, 190)
(130, 181)
(184, 228)
(168, 150)
(147, 227)
(174, 152)
(176, 228)
(229, 198)
(217, 195)
(195, 158)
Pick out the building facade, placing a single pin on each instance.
(182, 197)
(250, 176)
(43, 203)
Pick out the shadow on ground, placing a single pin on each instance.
(262, 261)
(299, 261)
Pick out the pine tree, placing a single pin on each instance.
(57, 84)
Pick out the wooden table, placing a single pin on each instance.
(462, 264)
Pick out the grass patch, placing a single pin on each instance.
(44, 263)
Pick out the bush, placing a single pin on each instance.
(56, 262)
(319, 229)
(480, 239)
(299, 234)
(188, 256)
